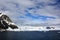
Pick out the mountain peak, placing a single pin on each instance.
(6, 22)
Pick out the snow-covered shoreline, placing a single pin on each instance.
(29, 28)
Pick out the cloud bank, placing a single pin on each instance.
(24, 12)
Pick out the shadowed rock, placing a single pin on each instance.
(13, 26)
(5, 17)
(5, 22)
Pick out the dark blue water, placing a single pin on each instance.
(34, 35)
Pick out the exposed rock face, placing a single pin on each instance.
(5, 22)
(5, 17)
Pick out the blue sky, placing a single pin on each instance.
(24, 12)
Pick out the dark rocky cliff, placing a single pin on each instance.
(6, 22)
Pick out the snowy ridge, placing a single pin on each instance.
(1, 14)
(6, 22)
(9, 22)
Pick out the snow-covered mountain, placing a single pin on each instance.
(5, 22)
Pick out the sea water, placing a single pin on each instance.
(30, 35)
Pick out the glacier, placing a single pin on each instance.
(32, 28)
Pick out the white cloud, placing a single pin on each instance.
(16, 8)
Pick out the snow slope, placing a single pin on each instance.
(30, 28)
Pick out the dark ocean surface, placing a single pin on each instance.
(30, 35)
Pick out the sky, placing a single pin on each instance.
(32, 12)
